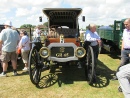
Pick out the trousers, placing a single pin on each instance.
(124, 58)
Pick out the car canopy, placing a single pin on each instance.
(62, 16)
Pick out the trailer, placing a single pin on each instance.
(111, 37)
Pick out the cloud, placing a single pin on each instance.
(4, 11)
(20, 12)
(102, 12)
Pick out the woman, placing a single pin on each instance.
(24, 44)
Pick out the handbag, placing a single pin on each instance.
(19, 50)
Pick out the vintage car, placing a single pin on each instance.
(62, 44)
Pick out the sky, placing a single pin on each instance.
(99, 12)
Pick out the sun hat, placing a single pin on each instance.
(9, 23)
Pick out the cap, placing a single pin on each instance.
(9, 23)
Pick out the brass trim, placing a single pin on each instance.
(61, 38)
(44, 48)
(81, 48)
(82, 37)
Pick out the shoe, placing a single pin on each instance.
(115, 78)
(19, 58)
(119, 89)
(3, 75)
(15, 73)
(25, 69)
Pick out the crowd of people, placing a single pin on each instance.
(11, 39)
(123, 71)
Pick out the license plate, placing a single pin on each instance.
(62, 52)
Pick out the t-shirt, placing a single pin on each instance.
(25, 43)
(10, 39)
(37, 33)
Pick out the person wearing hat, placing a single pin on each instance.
(8, 41)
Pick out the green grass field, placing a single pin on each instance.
(64, 82)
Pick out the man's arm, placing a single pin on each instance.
(90, 38)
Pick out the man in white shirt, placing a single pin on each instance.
(92, 38)
(92, 35)
(37, 34)
(125, 48)
(123, 72)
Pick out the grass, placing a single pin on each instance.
(64, 82)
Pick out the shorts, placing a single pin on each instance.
(7, 56)
(24, 55)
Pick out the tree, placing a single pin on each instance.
(27, 26)
(46, 24)
(111, 26)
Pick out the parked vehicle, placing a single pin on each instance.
(111, 37)
(1, 27)
(62, 44)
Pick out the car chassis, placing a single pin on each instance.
(61, 45)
